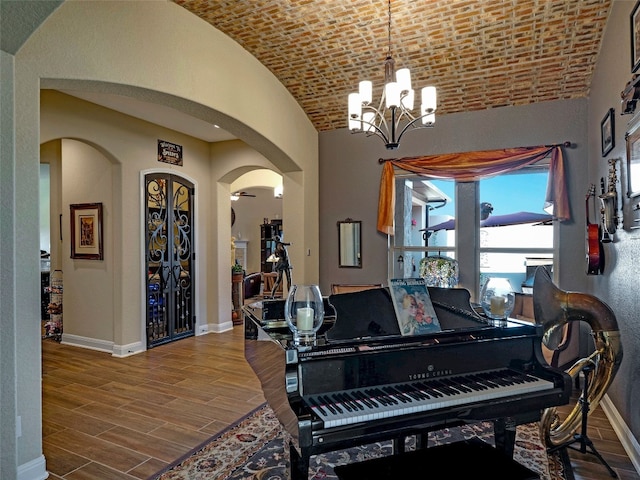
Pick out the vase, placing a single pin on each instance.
(497, 300)
(304, 313)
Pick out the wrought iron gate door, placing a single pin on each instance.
(169, 258)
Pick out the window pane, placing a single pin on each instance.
(513, 205)
(442, 214)
(421, 203)
(515, 219)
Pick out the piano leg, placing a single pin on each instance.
(504, 431)
(299, 463)
(422, 440)
(398, 445)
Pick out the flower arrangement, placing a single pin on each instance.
(413, 222)
(439, 271)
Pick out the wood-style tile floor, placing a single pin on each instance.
(127, 418)
(587, 466)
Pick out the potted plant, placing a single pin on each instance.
(237, 272)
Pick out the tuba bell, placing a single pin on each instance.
(553, 309)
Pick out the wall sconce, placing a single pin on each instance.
(278, 191)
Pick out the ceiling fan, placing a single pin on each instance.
(235, 196)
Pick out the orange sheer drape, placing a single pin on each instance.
(471, 166)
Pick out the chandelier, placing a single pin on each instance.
(394, 115)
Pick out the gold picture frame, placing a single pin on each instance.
(86, 231)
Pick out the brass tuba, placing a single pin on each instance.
(553, 309)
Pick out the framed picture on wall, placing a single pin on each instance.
(632, 138)
(607, 134)
(635, 37)
(86, 231)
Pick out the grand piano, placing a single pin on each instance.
(363, 382)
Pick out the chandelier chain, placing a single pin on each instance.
(389, 32)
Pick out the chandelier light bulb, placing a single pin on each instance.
(429, 119)
(365, 89)
(355, 112)
(403, 77)
(429, 99)
(392, 94)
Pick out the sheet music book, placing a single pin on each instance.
(413, 307)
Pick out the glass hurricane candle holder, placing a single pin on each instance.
(304, 312)
(497, 300)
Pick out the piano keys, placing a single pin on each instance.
(348, 407)
(362, 382)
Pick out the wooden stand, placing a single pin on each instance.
(236, 297)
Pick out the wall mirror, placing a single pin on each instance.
(349, 241)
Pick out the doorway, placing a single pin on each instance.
(169, 258)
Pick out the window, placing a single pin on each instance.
(518, 233)
(494, 227)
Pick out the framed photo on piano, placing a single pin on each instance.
(413, 306)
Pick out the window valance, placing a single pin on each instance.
(472, 166)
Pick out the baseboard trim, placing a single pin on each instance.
(628, 441)
(122, 351)
(86, 342)
(119, 351)
(36, 469)
(218, 327)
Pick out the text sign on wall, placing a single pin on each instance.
(169, 153)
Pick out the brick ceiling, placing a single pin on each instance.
(479, 53)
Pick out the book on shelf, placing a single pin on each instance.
(413, 307)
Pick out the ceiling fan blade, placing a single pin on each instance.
(236, 195)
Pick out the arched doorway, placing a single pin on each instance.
(169, 258)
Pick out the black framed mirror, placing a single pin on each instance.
(349, 243)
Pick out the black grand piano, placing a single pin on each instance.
(363, 382)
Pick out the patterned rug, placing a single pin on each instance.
(254, 448)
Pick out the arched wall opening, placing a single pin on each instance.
(124, 48)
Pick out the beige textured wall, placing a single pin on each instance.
(126, 148)
(88, 297)
(153, 51)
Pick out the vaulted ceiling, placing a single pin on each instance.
(480, 54)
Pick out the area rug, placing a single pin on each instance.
(254, 448)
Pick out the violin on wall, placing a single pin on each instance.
(595, 251)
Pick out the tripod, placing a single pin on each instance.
(582, 437)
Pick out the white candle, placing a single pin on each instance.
(498, 305)
(304, 319)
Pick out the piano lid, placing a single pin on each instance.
(370, 313)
